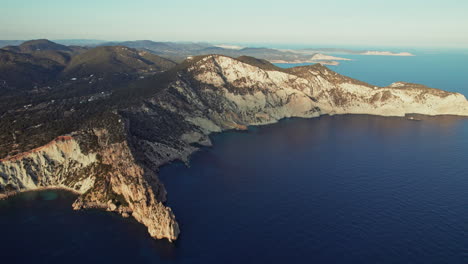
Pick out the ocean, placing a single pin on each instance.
(339, 189)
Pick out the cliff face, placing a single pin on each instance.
(217, 93)
(59, 163)
(297, 91)
(108, 178)
(210, 94)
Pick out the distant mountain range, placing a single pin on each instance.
(179, 51)
(35, 63)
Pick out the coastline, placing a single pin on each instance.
(409, 117)
(7, 195)
(247, 129)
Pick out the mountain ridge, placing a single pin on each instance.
(117, 59)
(33, 59)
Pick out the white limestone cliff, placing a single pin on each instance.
(259, 96)
(109, 179)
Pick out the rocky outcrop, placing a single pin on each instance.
(59, 163)
(125, 187)
(208, 94)
(108, 178)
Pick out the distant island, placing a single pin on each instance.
(387, 53)
(350, 51)
(316, 58)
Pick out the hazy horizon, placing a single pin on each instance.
(432, 23)
(272, 45)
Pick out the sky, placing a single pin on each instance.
(410, 23)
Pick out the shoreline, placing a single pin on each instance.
(4, 196)
(408, 116)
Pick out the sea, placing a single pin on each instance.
(333, 189)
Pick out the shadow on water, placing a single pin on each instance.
(43, 224)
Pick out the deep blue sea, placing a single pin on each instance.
(341, 189)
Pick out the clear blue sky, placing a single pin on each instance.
(436, 23)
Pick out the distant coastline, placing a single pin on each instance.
(323, 62)
(347, 51)
(387, 53)
(316, 58)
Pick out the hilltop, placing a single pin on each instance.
(37, 64)
(116, 59)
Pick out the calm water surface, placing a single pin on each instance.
(346, 189)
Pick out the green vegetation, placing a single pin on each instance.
(25, 72)
(117, 59)
(42, 99)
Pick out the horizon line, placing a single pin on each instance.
(294, 43)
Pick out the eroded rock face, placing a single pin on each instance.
(211, 94)
(302, 90)
(217, 93)
(59, 163)
(109, 179)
